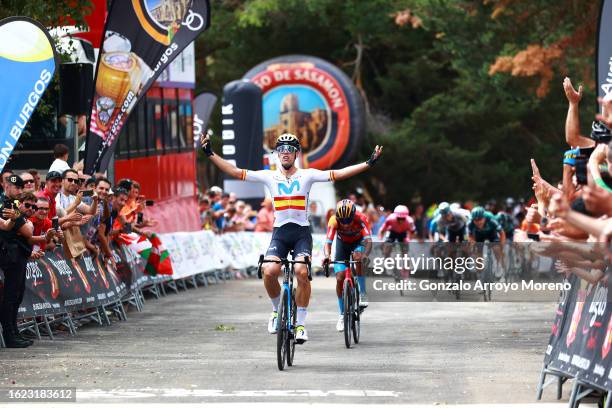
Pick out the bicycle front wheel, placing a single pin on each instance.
(356, 315)
(348, 312)
(282, 334)
(291, 335)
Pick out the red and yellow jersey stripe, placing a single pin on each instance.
(290, 203)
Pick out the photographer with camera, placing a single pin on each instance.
(15, 250)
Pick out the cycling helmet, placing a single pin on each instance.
(287, 139)
(401, 211)
(478, 212)
(345, 211)
(444, 208)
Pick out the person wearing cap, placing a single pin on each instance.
(53, 186)
(15, 249)
(265, 216)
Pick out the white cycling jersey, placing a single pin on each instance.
(290, 195)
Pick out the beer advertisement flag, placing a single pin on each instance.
(27, 64)
(142, 37)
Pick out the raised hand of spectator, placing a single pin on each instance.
(606, 115)
(573, 97)
(533, 216)
(541, 188)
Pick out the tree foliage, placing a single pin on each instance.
(462, 93)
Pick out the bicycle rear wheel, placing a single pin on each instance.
(356, 315)
(291, 335)
(348, 312)
(282, 334)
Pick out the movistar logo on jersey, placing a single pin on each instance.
(284, 189)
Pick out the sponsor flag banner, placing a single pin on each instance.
(27, 64)
(604, 50)
(142, 37)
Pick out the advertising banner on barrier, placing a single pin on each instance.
(27, 64)
(142, 37)
(55, 284)
(581, 342)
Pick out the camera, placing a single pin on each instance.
(149, 203)
(55, 223)
(581, 164)
(140, 218)
(128, 227)
(600, 133)
(88, 193)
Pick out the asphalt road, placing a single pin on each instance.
(176, 350)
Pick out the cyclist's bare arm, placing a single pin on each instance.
(223, 165)
(355, 169)
(226, 167)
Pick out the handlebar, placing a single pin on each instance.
(284, 261)
(326, 265)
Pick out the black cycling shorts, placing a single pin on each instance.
(492, 236)
(454, 236)
(396, 237)
(290, 237)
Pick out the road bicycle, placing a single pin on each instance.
(350, 299)
(287, 309)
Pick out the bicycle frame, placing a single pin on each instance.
(286, 335)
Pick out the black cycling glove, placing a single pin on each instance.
(207, 147)
(373, 159)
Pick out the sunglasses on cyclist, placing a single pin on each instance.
(286, 149)
(32, 206)
(345, 220)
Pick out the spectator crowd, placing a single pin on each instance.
(71, 211)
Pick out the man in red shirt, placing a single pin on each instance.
(42, 224)
(53, 185)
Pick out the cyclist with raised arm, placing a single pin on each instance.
(289, 187)
(354, 238)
